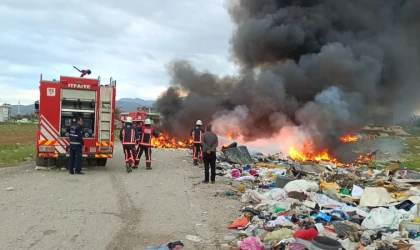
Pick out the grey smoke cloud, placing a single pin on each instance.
(315, 66)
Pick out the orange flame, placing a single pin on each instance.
(297, 155)
(303, 156)
(349, 138)
(229, 136)
(163, 142)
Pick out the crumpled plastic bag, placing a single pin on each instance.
(325, 201)
(273, 194)
(278, 235)
(329, 186)
(301, 186)
(251, 243)
(239, 223)
(382, 217)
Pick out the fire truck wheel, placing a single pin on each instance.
(45, 162)
(62, 163)
(91, 162)
(102, 162)
(40, 162)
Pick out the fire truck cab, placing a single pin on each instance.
(137, 117)
(62, 101)
(140, 116)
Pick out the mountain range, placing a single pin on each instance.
(126, 104)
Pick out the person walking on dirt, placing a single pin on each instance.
(128, 135)
(76, 145)
(145, 143)
(210, 143)
(197, 135)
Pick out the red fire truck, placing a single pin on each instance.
(60, 102)
(138, 117)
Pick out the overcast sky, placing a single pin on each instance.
(130, 40)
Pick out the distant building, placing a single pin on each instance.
(5, 112)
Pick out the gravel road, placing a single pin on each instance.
(109, 209)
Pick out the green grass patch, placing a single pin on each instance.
(18, 143)
(13, 155)
(411, 154)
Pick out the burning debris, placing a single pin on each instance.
(310, 74)
(163, 142)
(289, 205)
(348, 138)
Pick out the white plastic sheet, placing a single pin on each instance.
(301, 186)
(383, 218)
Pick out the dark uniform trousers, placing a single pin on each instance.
(75, 160)
(209, 164)
(198, 152)
(148, 153)
(129, 153)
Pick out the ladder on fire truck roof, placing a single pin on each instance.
(105, 111)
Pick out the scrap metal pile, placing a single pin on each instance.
(318, 205)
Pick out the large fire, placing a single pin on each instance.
(349, 138)
(163, 141)
(303, 156)
(307, 153)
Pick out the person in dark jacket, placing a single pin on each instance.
(210, 143)
(136, 158)
(128, 135)
(145, 142)
(76, 145)
(197, 135)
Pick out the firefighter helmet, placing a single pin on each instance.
(148, 122)
(199, 123)
(129, 120)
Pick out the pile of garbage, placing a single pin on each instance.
(289, 205)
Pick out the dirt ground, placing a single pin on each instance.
(13, 133)
(110, 209)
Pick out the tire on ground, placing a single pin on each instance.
(62, 162)
(92, 162)
(102, 162)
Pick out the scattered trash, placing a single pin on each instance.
(42, 168)
(319, 205)
(10, 189)
(171, 246)
(193, 238)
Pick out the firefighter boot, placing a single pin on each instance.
(136, 166)
(195, 163)
(128, 168)
(148, 166)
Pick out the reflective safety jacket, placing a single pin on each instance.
(145, 136)
(197, 134)
(128, 134)
(76, 135)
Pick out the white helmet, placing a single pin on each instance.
(199, 123)
(129, 120)
(147, 122)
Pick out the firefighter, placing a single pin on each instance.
(76, 145)
(137, 158)
(145, 142)
(83, 71)
(197, 135)
(128, 135)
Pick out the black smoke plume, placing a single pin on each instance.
(311, 70)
